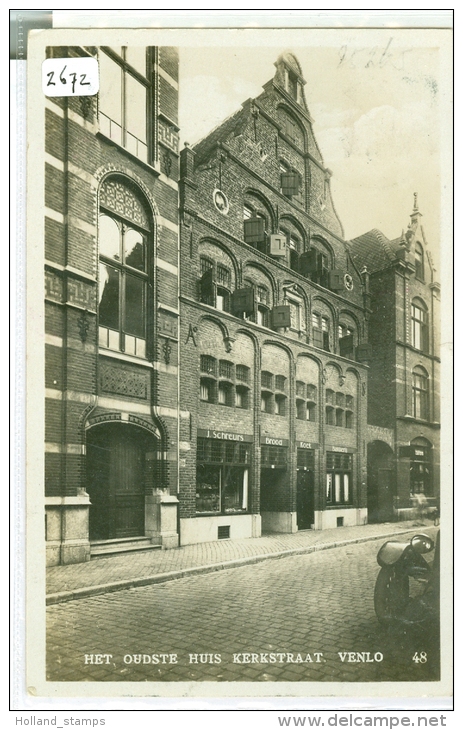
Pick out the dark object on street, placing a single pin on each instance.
(407, 586)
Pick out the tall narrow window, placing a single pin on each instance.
(420, 394)
(124, 98)
(124, 270)
(419, 317)
(419, 261)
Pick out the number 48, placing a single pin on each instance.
(420, 658)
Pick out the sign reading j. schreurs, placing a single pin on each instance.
(207, 433)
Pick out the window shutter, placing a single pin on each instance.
(346, 346)
(278, 245)
(308, 262)
(363, 352)
(243, 301)
(207, 286)
(335, 282)
(254, 230)
(317, 337)
(281, 316)
(290, 183)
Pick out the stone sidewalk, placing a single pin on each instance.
(118, 572)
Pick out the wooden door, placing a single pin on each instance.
(115, 478)
(305, 500)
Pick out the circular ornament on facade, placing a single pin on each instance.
(348, 282)
(220, 201)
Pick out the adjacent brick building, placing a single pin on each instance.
(111, 270)
(404, 396)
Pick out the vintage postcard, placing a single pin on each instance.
(236, 473)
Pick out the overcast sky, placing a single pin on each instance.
(375, 107)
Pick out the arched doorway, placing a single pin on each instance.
(380, 482)
(118, 468)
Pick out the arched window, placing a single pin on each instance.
(125, 269)
(420, 393)
(215, 284)
(419, 261)
(419, 321)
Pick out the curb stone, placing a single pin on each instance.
(98, 590)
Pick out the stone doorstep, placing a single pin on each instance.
(62, 597)
(104, 548)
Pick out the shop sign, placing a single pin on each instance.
(306, 445)
(273, 441)
(224, 435)
(341, 449)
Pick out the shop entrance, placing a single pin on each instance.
(380, 482)
(305, 500)
(116, 480)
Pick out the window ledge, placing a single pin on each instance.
(114, 354)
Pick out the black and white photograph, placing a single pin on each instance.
(234, 405)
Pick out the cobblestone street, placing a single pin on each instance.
(313, 607)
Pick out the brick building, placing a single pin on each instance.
(111, 309)
(403, 380)
(242, 368)
(274, 332)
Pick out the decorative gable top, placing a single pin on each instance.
(288, 76)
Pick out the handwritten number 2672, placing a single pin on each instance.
(63, 79)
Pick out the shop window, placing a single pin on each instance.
(306, 459)
(125, 273)
(421, 471)
(124, 99)
(420, 393)
(338, 478)
(274, 456)
(214, 284)
(320, 331)
(419, 261)
(419, 321)
(222, 477)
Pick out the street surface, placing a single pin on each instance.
(291, 620)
